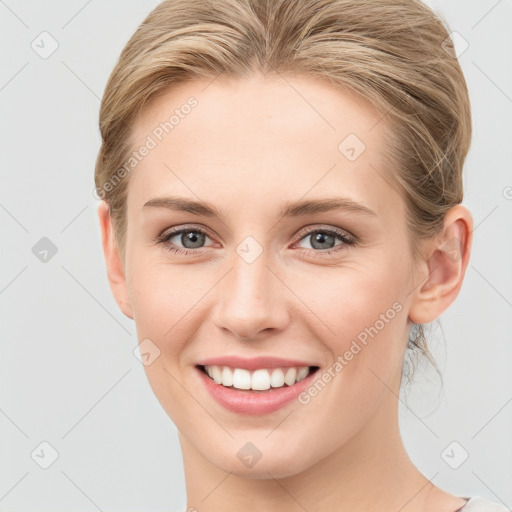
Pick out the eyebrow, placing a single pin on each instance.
(289, 209)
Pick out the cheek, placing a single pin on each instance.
(164, 301)
(372, 345)
(163, 296)
(357, 299)
(368, 354)
(366, 313)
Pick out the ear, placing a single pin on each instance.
(115, 271)
(442, 271)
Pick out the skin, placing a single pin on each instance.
(247, 148)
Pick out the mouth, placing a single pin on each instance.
(255, 386)
(259, 380)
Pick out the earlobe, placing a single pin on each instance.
(115, 271)
(445, 266)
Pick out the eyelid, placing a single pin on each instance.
(175, 231)
(309, 230)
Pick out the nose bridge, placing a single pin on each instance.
(249, 300)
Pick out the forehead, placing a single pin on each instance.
(259, 139)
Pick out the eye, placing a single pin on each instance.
(191, 238)
(324, 240)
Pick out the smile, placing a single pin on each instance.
(259, 390)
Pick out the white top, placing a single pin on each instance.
(474, 504)
(477, 504)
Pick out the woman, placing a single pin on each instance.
(281, 184)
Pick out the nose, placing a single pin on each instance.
(251, 300)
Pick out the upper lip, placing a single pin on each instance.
(253, 363)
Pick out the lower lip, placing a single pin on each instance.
(250, 402)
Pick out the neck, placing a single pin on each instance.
(370, 468)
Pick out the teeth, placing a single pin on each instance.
(241, 379)
(227, 376)
(277, 378)
(290, 376)
(217, 376)
(302, 373)
(259, 380)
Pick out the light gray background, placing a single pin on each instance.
(68, 374)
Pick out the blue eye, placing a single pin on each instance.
(193, 238)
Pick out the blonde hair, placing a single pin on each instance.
(395, 54)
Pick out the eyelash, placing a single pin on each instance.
(342, 235)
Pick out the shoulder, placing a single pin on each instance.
(474, 504)
(477, 504)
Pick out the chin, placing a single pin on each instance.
(274, 463)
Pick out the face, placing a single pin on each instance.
(264, 272)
